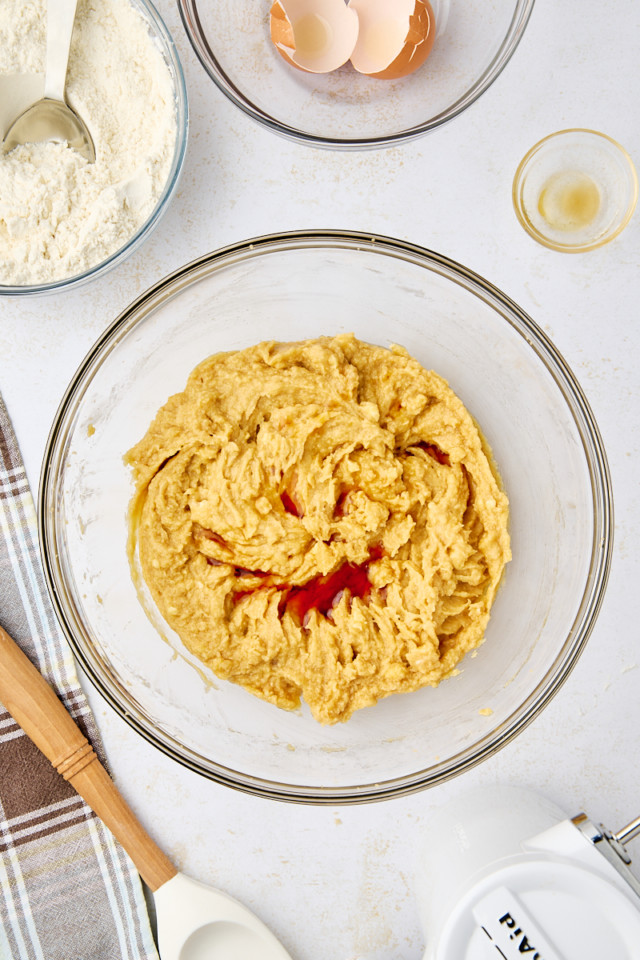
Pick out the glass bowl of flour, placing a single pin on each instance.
(63, 220)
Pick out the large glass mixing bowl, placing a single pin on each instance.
(532, 412)
(346, 110)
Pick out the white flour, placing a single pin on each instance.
(59, 214)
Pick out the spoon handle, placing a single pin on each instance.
(61, 15)
(33, 704)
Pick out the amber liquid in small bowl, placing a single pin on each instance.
(569, 200)
(575, 190)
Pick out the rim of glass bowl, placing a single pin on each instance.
(182, 126)
(193, 27)
(555, 365)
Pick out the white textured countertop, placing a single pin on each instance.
(336, 883)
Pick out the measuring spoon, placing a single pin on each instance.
(51, 118)
(195, 922)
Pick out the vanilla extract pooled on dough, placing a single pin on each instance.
(320, 520)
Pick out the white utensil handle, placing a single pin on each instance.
(61, 15)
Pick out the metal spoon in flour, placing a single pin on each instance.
(52, 118)
(195, 922)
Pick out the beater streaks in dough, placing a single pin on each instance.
(320, 520)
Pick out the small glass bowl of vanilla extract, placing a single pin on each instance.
(575, 190)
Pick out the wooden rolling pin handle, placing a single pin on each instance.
(76, 761)
(33, 704)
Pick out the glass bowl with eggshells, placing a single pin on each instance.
(63, 220)
(354, 74)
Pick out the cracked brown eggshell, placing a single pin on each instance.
(395, 37)
(316, 36)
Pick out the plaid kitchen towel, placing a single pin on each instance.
(67, 890)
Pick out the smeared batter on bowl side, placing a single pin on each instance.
(320, 520)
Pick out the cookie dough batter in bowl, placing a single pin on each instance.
(534, 419)
(320, 518)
